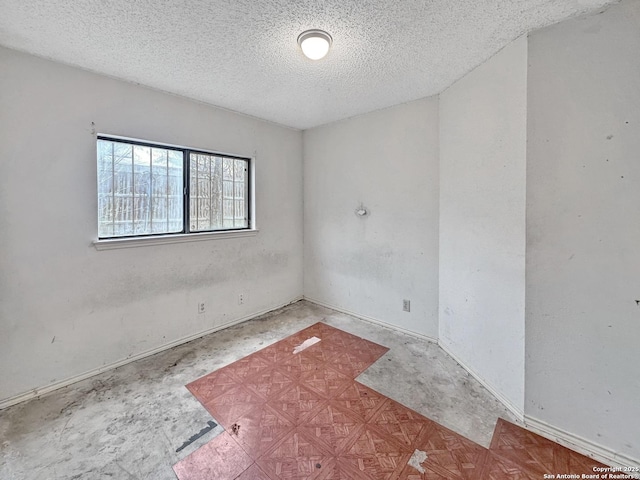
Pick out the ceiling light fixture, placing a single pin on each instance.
(315, 43)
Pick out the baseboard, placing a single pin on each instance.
(516, 411)
(37, 392)
(579, 444)
(375, 321)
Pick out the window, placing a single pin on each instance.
(146, 189)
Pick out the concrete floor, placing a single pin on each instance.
(127, 423)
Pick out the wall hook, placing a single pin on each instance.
(361, 211)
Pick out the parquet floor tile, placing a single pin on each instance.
(399, 422)
(295, 457)
(231, 405)
(212, 385)
(254, 472)
(361, 400)
(246, 367)
(269, 383)
(303, 416)
(348, 364)
(221, 458)
(297, 403)
(450, 455)
(374, 456)
(367, 350)
(333, 429)
(498, 468)
(537, 454)
(261, 428)
(325, 381)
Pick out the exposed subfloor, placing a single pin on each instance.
(127, 423)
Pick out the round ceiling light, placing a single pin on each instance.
(315, 43)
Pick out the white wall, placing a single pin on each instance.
(583, 228)
(482, 221)
(66, 308)
(388, 160)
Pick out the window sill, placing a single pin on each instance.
(130, 242)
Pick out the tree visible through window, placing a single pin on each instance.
(143, 189)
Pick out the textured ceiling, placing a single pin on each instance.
(243, 55)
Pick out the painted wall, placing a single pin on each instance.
(482, 221)
(583, 228)
(66, 308)
(388, 161)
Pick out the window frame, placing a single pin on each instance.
(185, 234)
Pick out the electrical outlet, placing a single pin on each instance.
(201, 307)
(241, 299)
(406, 305)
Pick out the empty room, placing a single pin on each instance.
(266, 240)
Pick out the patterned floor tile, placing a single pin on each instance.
(298, 365)
(497, 468)
(212, 385)
(368, 351)
(221, 458)
(232, 405)
(526, 449)
(326, 382)
(372, 442)
(399, 422)
(320, 330)
(333, 429)
(321, 352)
(276, 353)
(269, 383)
(303, 416)
(297, 403)
(579, 464)
(295, 457)
(246, 367)
(449, 454)
(348, 364)
(341, 337)
(260, 429)
(536, 453)
(361, 400)
(254, 472)
(373, 456)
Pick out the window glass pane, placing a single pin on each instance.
(139, 189)
(217, 192)
(175, 197)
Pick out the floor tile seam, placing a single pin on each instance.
(331, 394)
(437, 426)
(267, 455)
(301, 416)
(242, 472)
(493, 455)
(418, 441)
(351, 470)
(319, 443)
(440, 470)
(407, 448)
(518, 463)
(314, 476)
(335, 403)
(255, 457)
(337, 450)
(237, 389)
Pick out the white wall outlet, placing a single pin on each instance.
(241, 299)
(406, 305)
(201, 307)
